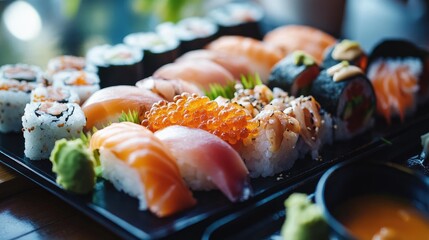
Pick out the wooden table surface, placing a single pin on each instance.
(29, 212)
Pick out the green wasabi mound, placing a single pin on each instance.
(74, 165)
(304, 220)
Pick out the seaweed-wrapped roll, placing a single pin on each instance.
(45, 122)
(158, 49)
(346, 93)
(54, 94)
(396, 68)
(294, 74)
(241, 19)
(346, 50)
(117, 65)
(193, 33)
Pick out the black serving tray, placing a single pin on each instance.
(119, 212)
(264, 220)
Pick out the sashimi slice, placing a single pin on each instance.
(144, 168)
(202, 73)
(235, 64)
(262, 57)
(206, 160)
(168, 89)
(107, 104)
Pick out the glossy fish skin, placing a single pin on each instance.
(215, 158)
(165, 191)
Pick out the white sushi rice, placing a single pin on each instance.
(12, 103)
(194, 178)
(42, 129)
(119, 54)
(122, 176)
(151, 41)
(260, 155)
(84, 91)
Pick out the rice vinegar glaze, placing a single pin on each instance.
(383, 217)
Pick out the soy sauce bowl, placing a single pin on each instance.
(346, 181)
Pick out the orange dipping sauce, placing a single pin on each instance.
(379, 217)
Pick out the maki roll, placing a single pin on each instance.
(396, 69)
(346, 50)
(22, 72)
(241, 19)
(81, 82)
(294, 74)
(346, 93)
(14, 95)
(54, 94)
(193, 33)
(158, 49)
(117, 65)
(424, 85)
(45, 122)
(68, 63)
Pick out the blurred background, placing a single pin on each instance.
(33, 31)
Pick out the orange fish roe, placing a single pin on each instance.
(230, 122)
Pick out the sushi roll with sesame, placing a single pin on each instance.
(347, 94)
(81, 82)
(117, 65)
(193, 33)
(239, 18)
(14, 95)
(346, 50)
(158, 49)
(68, 63)
(396, 68)
(54, 94)
(294, 74)
(22, 72)
(45, 122)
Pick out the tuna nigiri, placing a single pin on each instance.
(262, 57)
(235, 64)
(107, 104)
(207, 162)
(298, 37)
(138, 163)
(199, 72)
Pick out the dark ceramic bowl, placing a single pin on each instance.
(346, 181)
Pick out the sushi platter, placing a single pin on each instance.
(190, 132)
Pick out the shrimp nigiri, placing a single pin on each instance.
(138, 163)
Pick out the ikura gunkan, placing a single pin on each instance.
(346, 93)
(295, 74)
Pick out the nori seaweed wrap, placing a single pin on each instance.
(396, 69)
(193, 33)
(117, 65)
(346, 93)
(346, 50)
(158, 50)
(294, 74)
(240, 19)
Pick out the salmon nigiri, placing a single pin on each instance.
(207, 162)
(261, 57)
(235, 64)
(298, 37)
(199, 72)
(138, 163)
(107, 104)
